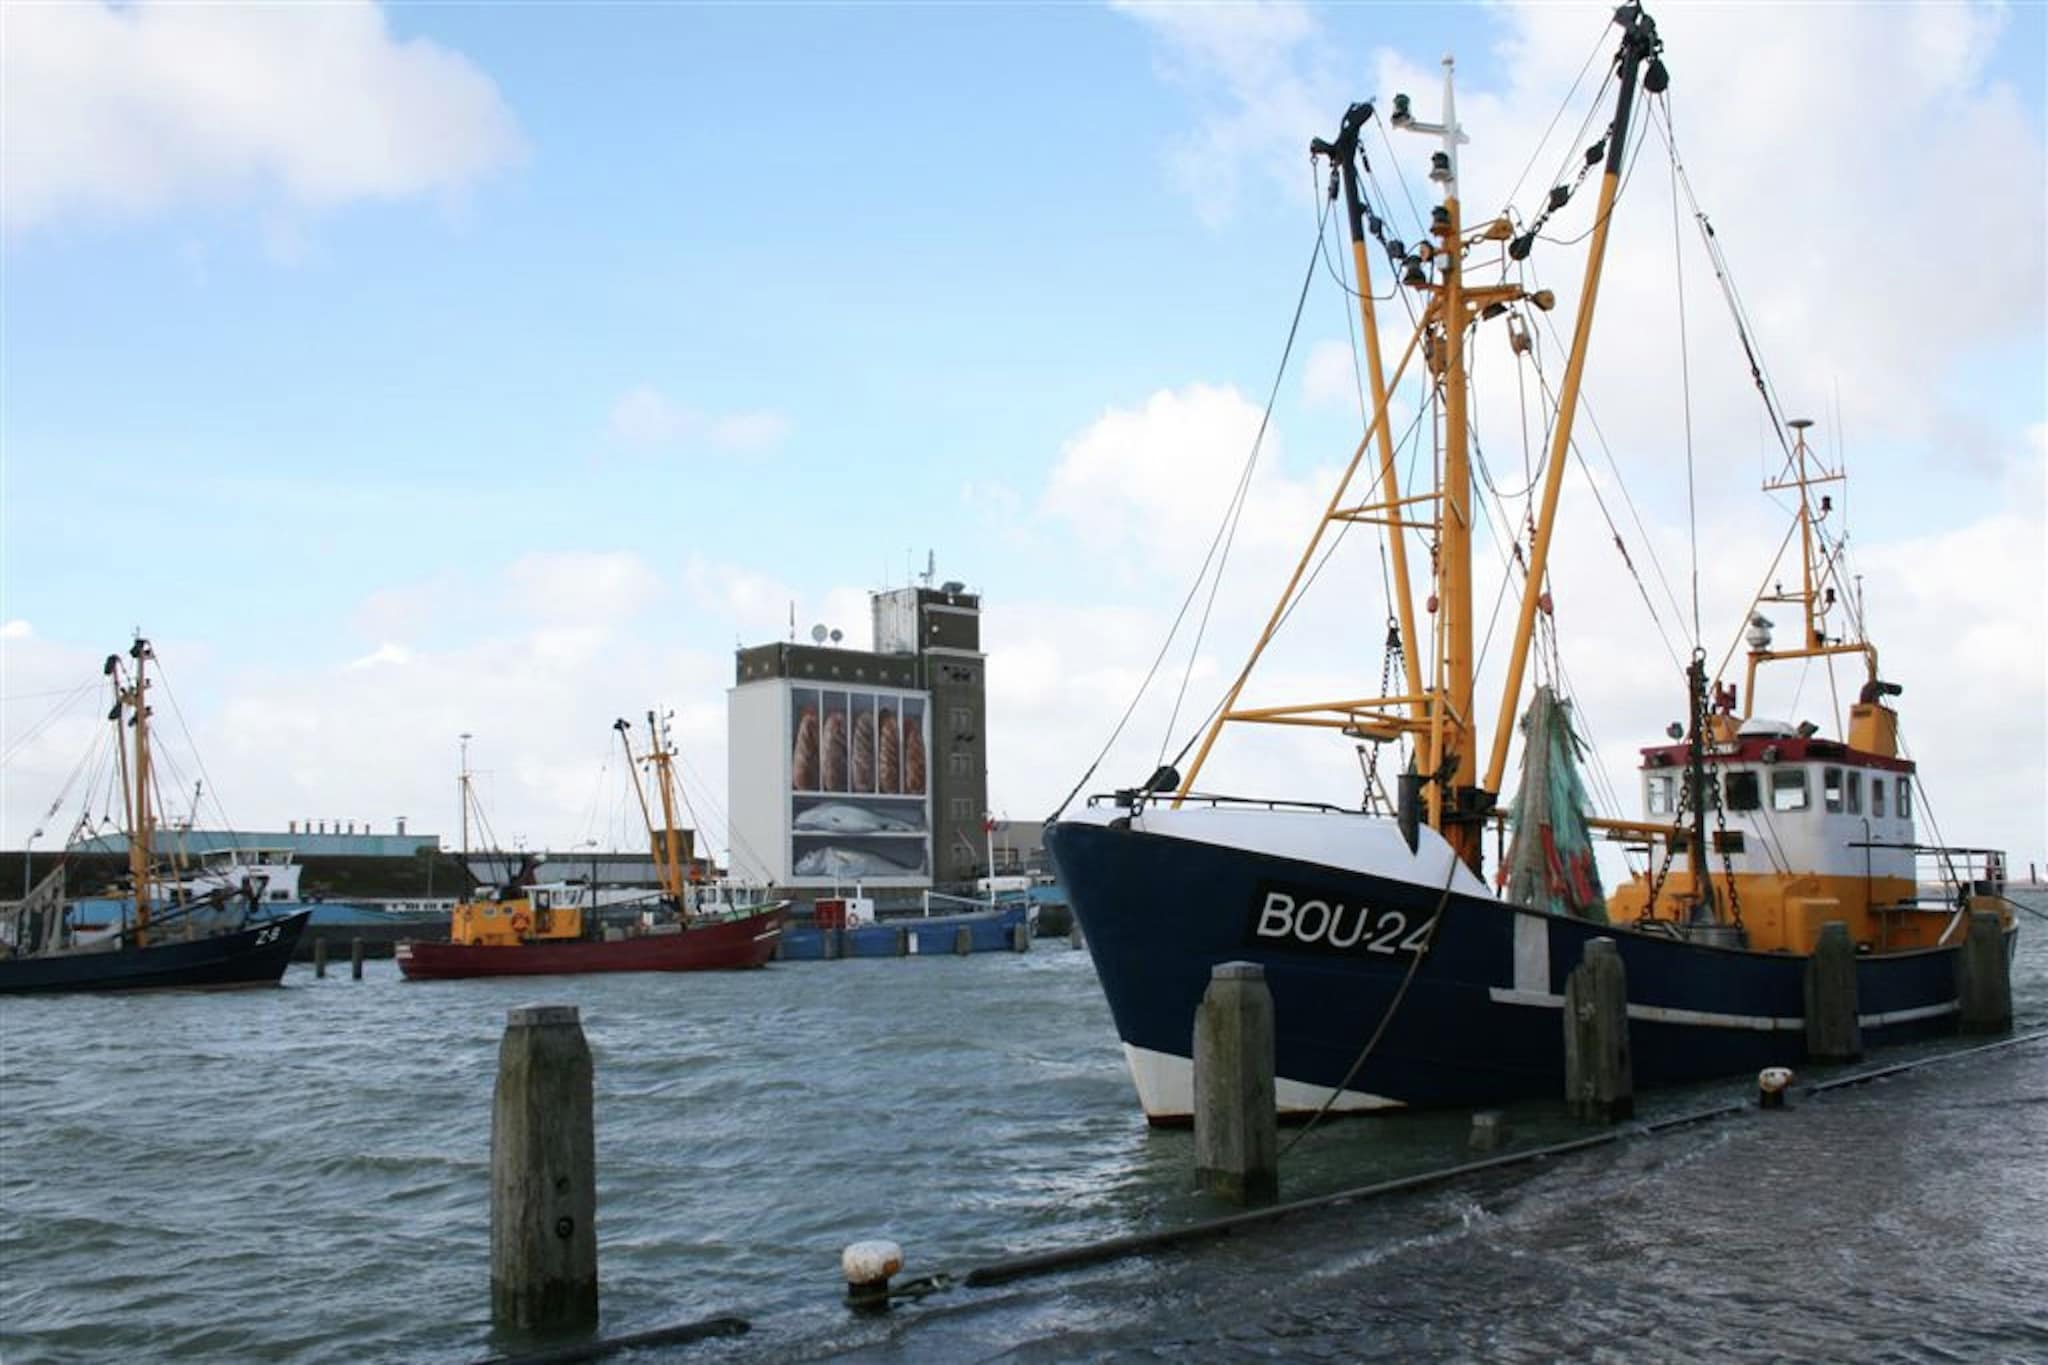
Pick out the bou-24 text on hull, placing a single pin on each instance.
(716, 945)
(1480, 1019)
(251, 956)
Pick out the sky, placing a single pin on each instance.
(413, 371)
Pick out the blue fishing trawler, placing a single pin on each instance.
(1404, 971)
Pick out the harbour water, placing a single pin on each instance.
(301, 1174)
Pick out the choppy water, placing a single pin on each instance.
(302, 1175)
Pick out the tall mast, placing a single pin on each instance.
(462, 796)
(1345, 157)
(139, 830)
(1449, 760)
(671, 866)
(1638, 46)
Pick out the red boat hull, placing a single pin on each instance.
(712, 946)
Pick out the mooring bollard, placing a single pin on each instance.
(1984, 976)
(963, 940)
(355, 957)
(1020, 938)
(1598, 1081)
(319, 957)
(543, 1174)
(866, 1267)
(1237, 1125)
(1770, 1087)
(1833, 1032)
(1489, 1130)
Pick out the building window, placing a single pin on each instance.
(1877, 797)
(1788, 789)
(1831, 789)
(1855, 793)
(1905, 798)
(960, 763)
(961, 808)
(1743, 791)
(1658, 801)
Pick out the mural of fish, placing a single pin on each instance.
(835, 861)
(842, 817)
(803, 762)
(913, 760)
(863, 751)
(889, 770)
(835, 749)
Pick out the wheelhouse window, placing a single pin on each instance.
(1831, 789)
(1905, 798)
(1658, 801)
(1877, 797)
(1855, 793)
(1743, 791)
(1788, 789)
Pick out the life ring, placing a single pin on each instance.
(520, 923)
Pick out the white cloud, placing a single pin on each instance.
(644, 416)
(128, 110)
(1330, 376)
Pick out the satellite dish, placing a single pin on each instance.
(837, 637)
(818, 633)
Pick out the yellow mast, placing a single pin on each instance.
(1345, 158)
(1442, 714)
(1638, 46)
(1803, 472)
(672, 870)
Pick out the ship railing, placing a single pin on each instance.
(1135, 799)
(1946, 876)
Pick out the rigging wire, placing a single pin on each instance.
(72, 698)
(1194, 588)
(1685, 374)
(1578, 139)
(1242, 495)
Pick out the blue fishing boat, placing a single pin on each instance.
(839, 927)
(163, 933)
(1404, 971)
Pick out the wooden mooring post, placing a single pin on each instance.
(1984, 976)
(543, 1175)
(1237, 1126)
(319, 957)
(355, 957)
(1599, 1083)
(1833, 1031)
(1020, 938)
(963, 940)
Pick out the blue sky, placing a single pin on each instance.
(743, 304)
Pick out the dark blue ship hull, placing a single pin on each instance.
(253, 956)
(1481, 1019)
(988, 931)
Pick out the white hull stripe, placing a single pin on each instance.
(1166, 1089)
(1759, 1023)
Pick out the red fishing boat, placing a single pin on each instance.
(522, 929)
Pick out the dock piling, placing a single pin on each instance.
(1074, 939)
(1984, 976)
(1833, 1033)
(543, 1174)
(903, 943)
(1237, 1127)
(319, 957)
(355, 957)
(1598, 1079)
(963, 940)
(1020, 939)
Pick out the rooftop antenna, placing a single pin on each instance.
(792, 618)
(931, 566)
